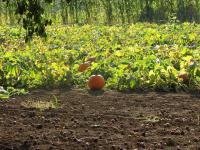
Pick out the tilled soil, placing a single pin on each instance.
(101, 121)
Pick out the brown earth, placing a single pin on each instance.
(102, 121)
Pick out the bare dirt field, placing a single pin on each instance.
(83, 120)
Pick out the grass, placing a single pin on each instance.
(42, 105)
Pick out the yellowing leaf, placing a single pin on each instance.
(119, 54)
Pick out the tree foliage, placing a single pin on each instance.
(31, 15)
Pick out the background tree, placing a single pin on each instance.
(34, 15)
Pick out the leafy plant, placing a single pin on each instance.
(129, 57)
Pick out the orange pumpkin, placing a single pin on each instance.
(91, 59)
(183, 76)
(83, 66)
(96, 82)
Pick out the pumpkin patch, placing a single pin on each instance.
(129, 57)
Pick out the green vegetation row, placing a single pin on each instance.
(139, 56)
(35, 15)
